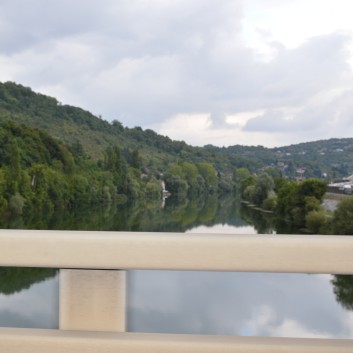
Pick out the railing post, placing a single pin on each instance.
(93, 300)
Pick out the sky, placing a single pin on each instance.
(250, 72)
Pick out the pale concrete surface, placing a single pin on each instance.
(173, 251)
(92, 300)
(55, 341)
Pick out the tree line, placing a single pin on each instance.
(42, 173)
(297, 206)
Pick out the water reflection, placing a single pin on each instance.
(290, 305)
(178, 215)
(343, 289)
(16, 279)
(36, 307)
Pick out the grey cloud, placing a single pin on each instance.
(143, 61)
(32, 23)
(331, 118)
(297, 74)
(278, 121)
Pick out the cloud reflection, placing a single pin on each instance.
(36, 307)
(249, 304)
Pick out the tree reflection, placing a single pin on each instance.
(178, 215)
(343, 289)
(16, 279)
(263, 222)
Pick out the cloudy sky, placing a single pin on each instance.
(269, 72)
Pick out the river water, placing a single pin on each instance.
(248, 304)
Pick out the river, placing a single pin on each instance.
(247, 304)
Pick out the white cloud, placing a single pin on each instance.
(199, 130)
(293, 22)
(240, 119)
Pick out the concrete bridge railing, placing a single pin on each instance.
(89, 324)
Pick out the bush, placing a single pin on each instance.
(269, 204)
(153, 189)
(16, 204)
(343, 217)
(315, 222)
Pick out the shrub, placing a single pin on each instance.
(16, 204)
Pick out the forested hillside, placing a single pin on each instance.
(70, 125)
(76, 127)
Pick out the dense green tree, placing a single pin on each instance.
(263, 189)
(14, 168)
(240, 174)
(153, 189)
(316, 222)
(195, 181)
(39, 181)
(209, 174)
(312, 187)
(136, 160)
(116, 164)
(246, 187)
(3, 201)
(176, 184)
(296, 200)
(16, 204)
(343, 217)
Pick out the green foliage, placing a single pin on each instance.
(245, 183)
(176, 184)
(256, 189)
(249, 193)
(58, 156)
(209, 174)
(240, 174)
(136, 160)
(3, 201)
(15, 279)
(343, 289)
(116, 164)
(315, 222)
(296, 200)
(153, 189)
(14, 168)
(269, 204)
(263, 189)
(146, 150)
(312, 187)
(188, 178)
(343, 216)
(16, 204)
(190, 174)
